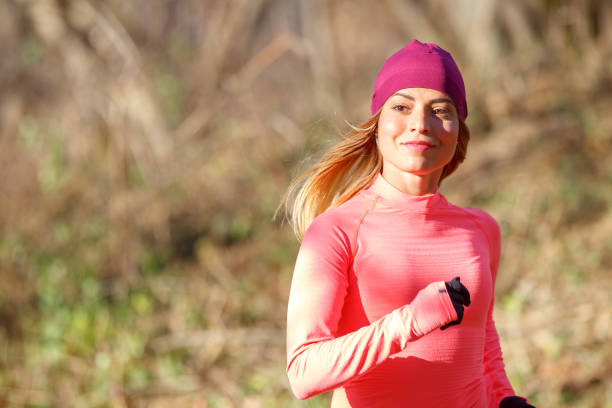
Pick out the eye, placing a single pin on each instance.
(443, 112)
(400, 108)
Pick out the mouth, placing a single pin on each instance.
(418, 145)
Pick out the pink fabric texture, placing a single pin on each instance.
(367, 300)
(420, 65)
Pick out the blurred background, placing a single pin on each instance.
(146, 144)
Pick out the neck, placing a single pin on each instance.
(414, 184)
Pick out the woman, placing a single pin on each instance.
(387, 264)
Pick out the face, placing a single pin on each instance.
(417, 132)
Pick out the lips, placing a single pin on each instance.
(418, 145)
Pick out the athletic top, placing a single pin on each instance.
(368, 297)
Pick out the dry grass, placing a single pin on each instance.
(145, 146)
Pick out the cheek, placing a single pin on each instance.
(389, 127)
(451, 129)
(449, 136)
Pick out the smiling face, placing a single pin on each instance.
(417, 134)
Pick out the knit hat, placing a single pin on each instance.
(419, 65)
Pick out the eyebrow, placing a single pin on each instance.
(437, 100)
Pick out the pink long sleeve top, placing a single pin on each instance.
(368, 297)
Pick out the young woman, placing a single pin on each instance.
(387, 264)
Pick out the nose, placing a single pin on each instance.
(419, 121)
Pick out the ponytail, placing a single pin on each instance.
(348, 167)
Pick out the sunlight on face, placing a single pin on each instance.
(417, 133)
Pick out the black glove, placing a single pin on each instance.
(460, 296)
(515, 402)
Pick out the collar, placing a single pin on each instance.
(391, 196)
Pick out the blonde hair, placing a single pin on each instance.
(344, 170)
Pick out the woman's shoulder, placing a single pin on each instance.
(488, 224)
(486, 220)
(343, 217)
(480, 214)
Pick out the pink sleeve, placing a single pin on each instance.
(317, 360)
(497, 382)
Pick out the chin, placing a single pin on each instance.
(418, 168)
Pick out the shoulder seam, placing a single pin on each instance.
(358, 226)
(473, 218)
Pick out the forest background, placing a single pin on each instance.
(146, 144)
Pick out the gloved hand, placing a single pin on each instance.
(515, 402)
(460, 296)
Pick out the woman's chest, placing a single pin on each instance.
(393, 262)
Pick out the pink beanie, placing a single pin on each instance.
(419, 65)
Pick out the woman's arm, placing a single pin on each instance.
(495, 372)
(317, 360)
(500, 390)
